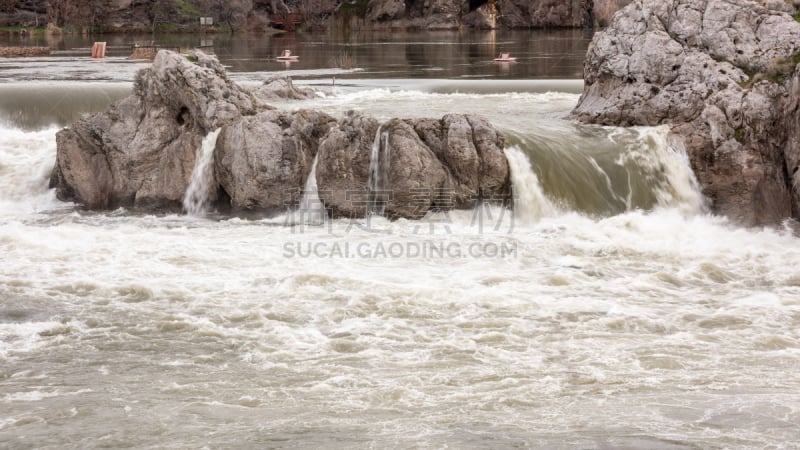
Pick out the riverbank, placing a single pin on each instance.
(18, 52)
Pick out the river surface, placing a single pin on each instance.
(608, 309)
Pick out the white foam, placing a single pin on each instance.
(595, 323)
(26, 161)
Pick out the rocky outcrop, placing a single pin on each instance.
(141, 153)
(386, 10)
(343, 166)
(262, 161)
(604, 10)
(24, 13)
(429, 164)
(544, 13)
(723, 74)
(280, 88)
(256, 15)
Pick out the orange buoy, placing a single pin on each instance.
(99, 50)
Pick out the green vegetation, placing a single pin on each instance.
(778, 72)
(168, 27)
(738, 134)
(188, 10)
(18, 29)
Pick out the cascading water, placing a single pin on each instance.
(378, 173)
(311, 210)
(530, 203)
(199, 193)
(605, 171)
(668, 168)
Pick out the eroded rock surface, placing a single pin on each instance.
(262, 161)
(723, 74)
(141, 152)
(432, 165)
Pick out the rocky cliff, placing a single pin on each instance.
(142, 152)
(256, 14)
(723, 74)
(452, 14)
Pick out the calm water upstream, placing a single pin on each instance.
(607, 310)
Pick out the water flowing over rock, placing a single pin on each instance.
(721, 73)
(201, 190)
(530, 203)
(143, 152)
(379, 162)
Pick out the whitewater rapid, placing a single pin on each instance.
(622, 314)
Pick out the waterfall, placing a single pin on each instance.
(530, 203)
(311, 210)
(199, 193)
(378, 173)
(681, 189)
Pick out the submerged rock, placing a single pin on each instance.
(281, 88)
(721, 72)
(141, 153)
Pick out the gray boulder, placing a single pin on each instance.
(141, 152)
(472, 152)
(417, 180)
(343, 165)
(720, 73)
(280, 87)
(385, 10)
(262, 161)
(432, 165)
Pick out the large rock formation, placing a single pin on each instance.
(130, 15)
(723, 74)
(427, 164)
(262, 161)
(141, 153)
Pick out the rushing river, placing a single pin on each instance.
(607, 310)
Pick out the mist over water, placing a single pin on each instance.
(622, 316)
